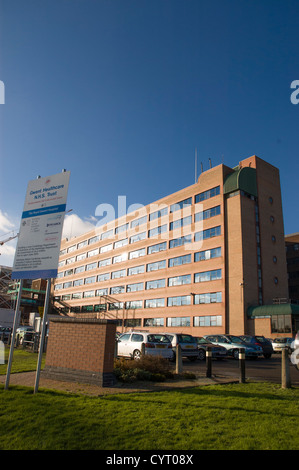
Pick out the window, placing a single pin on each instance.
(134, 304)
(77, 295)
(207, 254)
(117, 290)
(87, 308)
(71, 248)
(71, 260)
(61, 263)
(80, 269)
(93, 240)
(180, 205)
(207, 214)
(157, 231)
(281, 323)
(158, 214)
(78, 282)
(214, 297)
(69, 272)
(103, 277)
(213, 320)
(132, 323)
(81, 244)
(156, 266)
(179, 280)
(122, 228)
(59, 275)
(90, 280)
(80, 257)
(138, 237)
(156, 248)
(179, 301)
(91, 266)
(207, 194)
(108, 234)
(179, 260)
(106, 248)
(135, 287)
(121, 243)
(180, 241)
(213, 275)
(137, 253)
(118, 274)
(89, 293)
(153, 322)
(140, 221)
(208, 233)
(120, 258)
(180, 223)
(154, 303)
(104, 262)
(178, 321)
(136, 270)
(58, 287)
(156, 284)
(92, 253)
(116, 306)
(100, 292)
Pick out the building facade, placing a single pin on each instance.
(201, 260)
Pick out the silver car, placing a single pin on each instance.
(233, 344)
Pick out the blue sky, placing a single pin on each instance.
(121, 92)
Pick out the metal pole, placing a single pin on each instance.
(179, 361)
(209, 362)
(42, 336)
(285, 369)
(13, 336)
(242, 378)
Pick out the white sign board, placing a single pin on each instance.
(41, 226)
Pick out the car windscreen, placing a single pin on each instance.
(235, 339)
(186, 339)
(202, 340)
(157, 339)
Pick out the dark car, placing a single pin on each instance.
(261, 341)
(218, 352)
(5, 332)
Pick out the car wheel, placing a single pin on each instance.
(201, 355)
(267, 356)
(136, 354)
(236, 354)
(21, 340)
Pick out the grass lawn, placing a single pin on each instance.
(237, 416)
(23, 361)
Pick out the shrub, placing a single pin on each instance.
(154, 368)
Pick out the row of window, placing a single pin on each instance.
(202, 235)
(149, 267)
(205, 276)
(176, 242)
(178, 301)
(143, 220)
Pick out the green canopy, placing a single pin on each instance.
(269, 310)
(242, 179)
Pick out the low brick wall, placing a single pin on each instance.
(81, 350)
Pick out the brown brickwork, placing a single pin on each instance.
(81, 350)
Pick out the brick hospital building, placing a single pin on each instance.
(209, 258)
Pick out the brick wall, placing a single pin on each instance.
(81, 350)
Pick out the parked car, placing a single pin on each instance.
(279, 344)
(24, 333)
(5, 332)
(130, 345)
(187, 342)
(261, 341)
(233, 344)
(218, 352)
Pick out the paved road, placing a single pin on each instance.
(261, 369)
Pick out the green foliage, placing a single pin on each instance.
(153, 368)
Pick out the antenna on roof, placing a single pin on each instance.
(195, 165)
(210, 163)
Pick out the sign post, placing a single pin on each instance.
(38, 247)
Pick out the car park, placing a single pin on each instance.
(279, 344)
(24, 333)
(155, 344)
(218, 352)
(261, 341)
(187, 343)
(233, 344)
